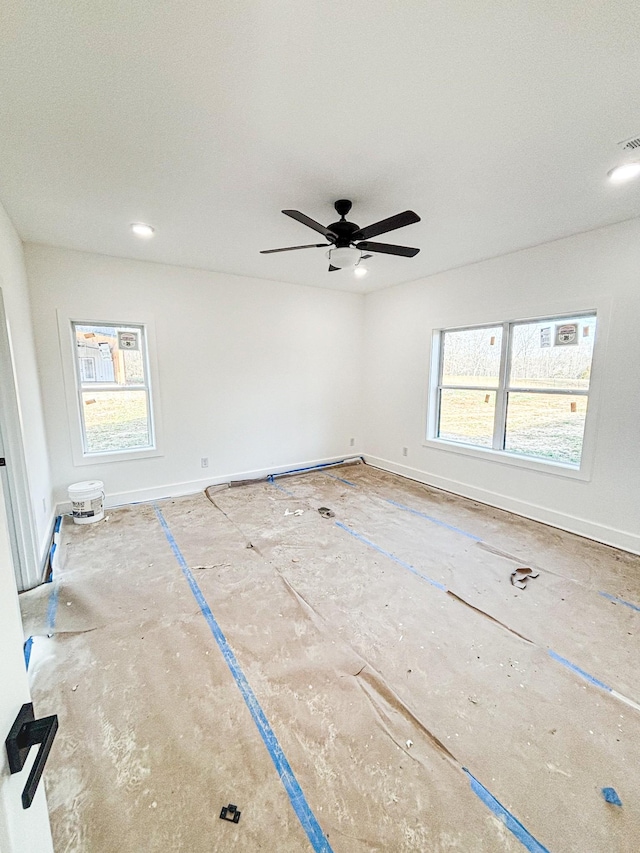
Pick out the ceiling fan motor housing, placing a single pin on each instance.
(342, 206)
(344, 232)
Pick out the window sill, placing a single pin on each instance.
(116, 456)
(557, 469)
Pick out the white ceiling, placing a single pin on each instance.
(495, 120)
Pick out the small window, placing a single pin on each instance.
(113, 388)
(520, 387)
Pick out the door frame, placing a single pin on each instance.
(14, 477)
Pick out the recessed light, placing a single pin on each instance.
(360, 272)
(624, 173)
(141, 229)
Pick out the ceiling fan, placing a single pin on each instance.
(347, 241)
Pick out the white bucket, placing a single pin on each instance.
(87, 501)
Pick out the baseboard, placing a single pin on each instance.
(572, 524)
(45, 545)
(178, 490)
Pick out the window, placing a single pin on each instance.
(113, 388)
(520, 388)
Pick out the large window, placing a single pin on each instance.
(520, 388)
(113, 388)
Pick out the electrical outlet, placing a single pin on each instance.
(352, 442)
(204, 462)
(405, 451)
(44, 505)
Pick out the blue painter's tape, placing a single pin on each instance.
(57, 525)
(52, 552)
(435, 520)
(298, 800)
(611, 796)
(279, 488)
(391, 556)
(620, 601)
(286, 491)
(510, 821)
(342, 480)
(52, 607)
(27, 651)
(590, 678)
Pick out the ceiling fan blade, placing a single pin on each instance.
(311, 223)
(388, 249)
(293, 248)
(333, 269)
(408, 217)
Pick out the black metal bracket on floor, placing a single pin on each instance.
(230, 813)
(26, 732)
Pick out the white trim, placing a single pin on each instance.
(14, 479)
(121, 456)
(177, 490)
(612, 536)
(97, 387)
(502, 394)
(71, 389)
(505, 457)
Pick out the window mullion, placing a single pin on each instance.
(500, 419)
(96, 387)
(492, 388)
(563, 392)
(436, 425)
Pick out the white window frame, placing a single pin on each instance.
(502, 390)
(73, 389)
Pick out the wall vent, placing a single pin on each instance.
(632, 144)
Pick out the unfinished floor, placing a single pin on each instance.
(367, 682)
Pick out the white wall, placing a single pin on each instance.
(601, 270)
(261, 376)
(13, 280)
(256, 375)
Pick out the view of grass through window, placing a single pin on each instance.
(538, 406)
(114, 393)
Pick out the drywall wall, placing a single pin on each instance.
(23, 374)
(255, 375)
(599, 269)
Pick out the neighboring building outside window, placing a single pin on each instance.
(113, 386)
(518, 387)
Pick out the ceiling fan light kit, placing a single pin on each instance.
(348, 240)
(344, 257)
